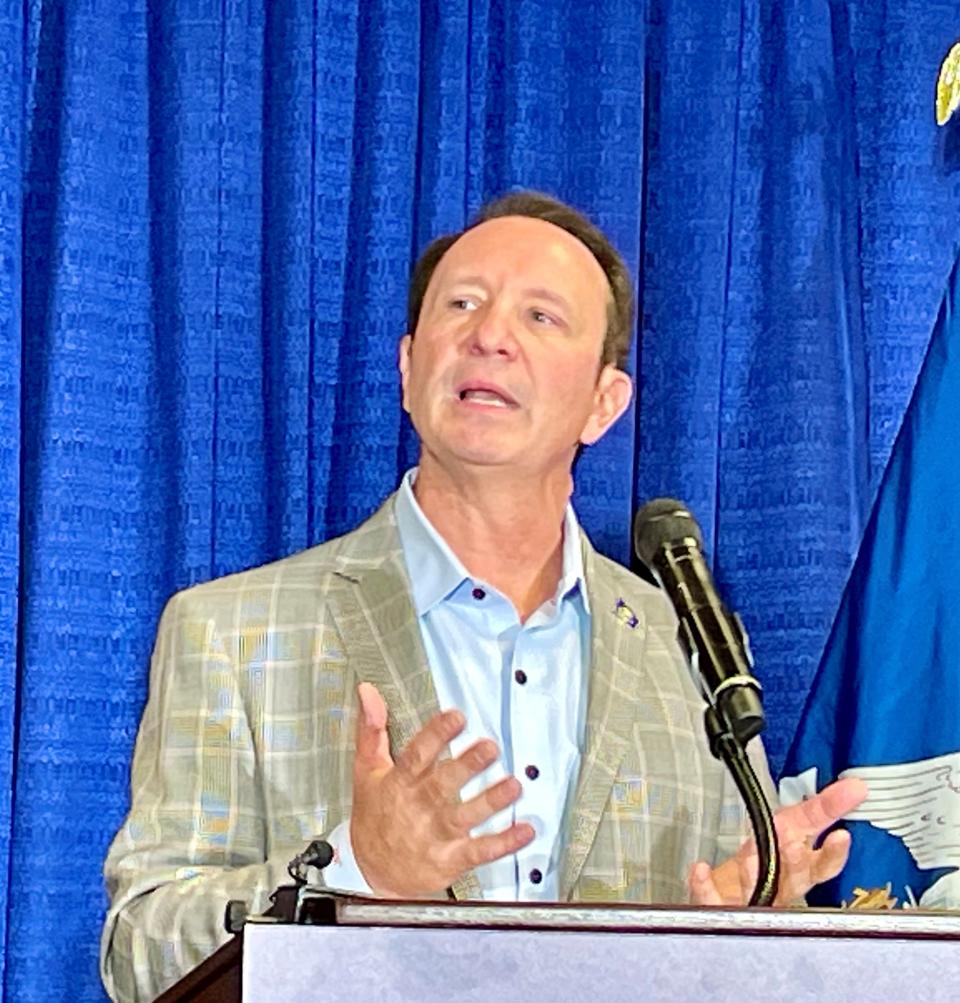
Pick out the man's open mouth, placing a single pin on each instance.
(485, 394)
(483, 397)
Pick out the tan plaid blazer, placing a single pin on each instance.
(245, 748)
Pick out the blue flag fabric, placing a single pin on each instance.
(885, 703)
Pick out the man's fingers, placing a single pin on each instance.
(812, 816)
(842, 796)
(703, 891)
(423, 749)
(487, 803)
(482, 849)
(372, 743)
(831, 857)
(452, 774)
(804, 867)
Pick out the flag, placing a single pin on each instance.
(885, 702)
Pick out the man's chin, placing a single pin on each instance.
(493, 460)
(465, 455)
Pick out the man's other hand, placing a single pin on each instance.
(409, 830)
(798, 828)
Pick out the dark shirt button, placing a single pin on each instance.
(532, 772)
(535, 876)
(479, 594)
(520, 676)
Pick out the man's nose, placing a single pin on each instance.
(493, 334)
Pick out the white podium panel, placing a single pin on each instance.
(469, 965)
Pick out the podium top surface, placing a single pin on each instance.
(620, 918)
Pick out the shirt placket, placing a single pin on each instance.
(534, 766)
(489, 616)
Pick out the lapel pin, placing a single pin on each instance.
(625, 615)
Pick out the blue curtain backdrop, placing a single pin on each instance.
(208, 212)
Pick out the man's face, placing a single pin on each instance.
(504, 368)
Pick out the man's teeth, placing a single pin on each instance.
(484, 396)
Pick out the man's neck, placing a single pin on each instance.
(506, 529)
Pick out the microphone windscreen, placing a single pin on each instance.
(660, 523)
(318, 854)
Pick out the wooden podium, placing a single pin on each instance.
(364, 949)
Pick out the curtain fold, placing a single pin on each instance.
(12, 91)
(208, 215)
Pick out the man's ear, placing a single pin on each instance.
(611, 399)
(403, 364)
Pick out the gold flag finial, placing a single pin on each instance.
(872, 898)
(948, 86)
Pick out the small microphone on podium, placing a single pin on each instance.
(317, 854)
(668, 540)
(286, 905)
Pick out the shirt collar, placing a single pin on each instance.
(438, 571)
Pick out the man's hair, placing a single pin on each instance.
(536, 205)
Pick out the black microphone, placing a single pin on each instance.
(668, 540)
(318, 854)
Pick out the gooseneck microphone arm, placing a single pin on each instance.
(668, 540)
(728, 748)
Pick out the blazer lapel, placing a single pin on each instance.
(381, 637)
(617, 648)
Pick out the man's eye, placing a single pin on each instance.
(462, 303)
(541, 317)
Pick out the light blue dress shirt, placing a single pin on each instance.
(522, 684)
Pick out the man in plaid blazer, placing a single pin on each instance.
(296, 698)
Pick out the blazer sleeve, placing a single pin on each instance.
(195, 836)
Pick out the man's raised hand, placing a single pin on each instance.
(409, 830)
(803, 863)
